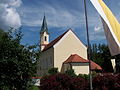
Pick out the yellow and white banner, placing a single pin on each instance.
(111, 26)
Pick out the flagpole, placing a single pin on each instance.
(88, 44)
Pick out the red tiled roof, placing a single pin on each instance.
(54, 41)
(95, 66)
(77, 59)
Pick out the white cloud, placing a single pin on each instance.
(97, 34)
(13, 3)
(56, 17)
(9, 15)
(63, 18)
(97, 29)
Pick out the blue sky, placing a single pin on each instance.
(60, 14)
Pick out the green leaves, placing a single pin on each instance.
(53, 71)
(70, 72)
(101, 55)
(16, 66)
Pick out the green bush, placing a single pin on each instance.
(52, 71)
(94, 74)
(85, 76)
(70, 72)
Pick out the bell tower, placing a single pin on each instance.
(44, 35)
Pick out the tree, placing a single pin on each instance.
(16, 66)
(105, 54)
(101, 55)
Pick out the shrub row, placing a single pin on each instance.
(62, 82)
(65, 82)
(107, 82)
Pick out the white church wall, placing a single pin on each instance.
(68, 45)
(80, 68)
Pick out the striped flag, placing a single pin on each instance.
(111, 26)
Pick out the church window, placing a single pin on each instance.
(45, 38)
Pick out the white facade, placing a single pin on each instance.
(60, 51)
(69, 44)
(80, 68)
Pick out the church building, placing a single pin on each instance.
(65, 52)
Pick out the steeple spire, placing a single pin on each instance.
(44, 25)
(44, 35)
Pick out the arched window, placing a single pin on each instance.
(45, 38)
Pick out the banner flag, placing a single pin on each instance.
(111, 26)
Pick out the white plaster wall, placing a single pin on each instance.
(81, 68)
(67, 46)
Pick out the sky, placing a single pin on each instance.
(60, 15)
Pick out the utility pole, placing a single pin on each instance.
(88, 45)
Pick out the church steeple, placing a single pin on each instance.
(44, 25)
(44, 35)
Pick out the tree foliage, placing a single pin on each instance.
(16, 66)
(101, 55)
